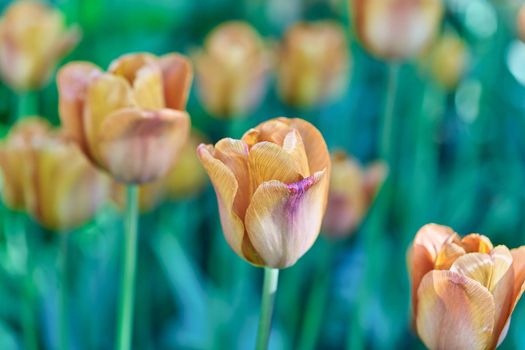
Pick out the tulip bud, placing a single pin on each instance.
(33, 38)
(447, 60)
(272, 188)
(313, 64)
(464, 290)
(129, 121)
(396, 29)
(232, 70)
(50, 176)
(352, 190)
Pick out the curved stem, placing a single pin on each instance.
(63, 312)
(125, 316)
(271, 277)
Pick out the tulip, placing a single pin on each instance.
(313, 64)
(464, 290)
(352, 190)
(12, 159)
(49, 177)
(396, 29)
(129, 121)
(232, 70)
(448, 60)
(272, 188)
(33, 38)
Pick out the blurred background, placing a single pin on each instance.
(456, 156)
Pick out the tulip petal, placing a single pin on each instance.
(234, 154)
(454, 312)
(143, 73)
(72, 81)
(283, 221)
(226, 186)
(518, 264)
(105, 94)
(448, 254)
(177, 75)
(268, 161)
(494, 272)
(274, 131)
(426, 247)
(293, 144)
(474, 242)
(138, 146)
(315, 146)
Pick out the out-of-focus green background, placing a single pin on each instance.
(193, 292)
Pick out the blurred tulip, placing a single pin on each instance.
(33, 38)
(49, 176)
(186, 177)
(12, 158)
(232, 70)
(129, 121)
(464, 290)
(313, 64)
(447, 60)
(272, 188)
(352, 190)
(521, 23)
(396, 29)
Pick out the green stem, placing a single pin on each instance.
(316, 303)
(28, 313)
(63, 312)
(271, 277)
(125, 316)
(27, 104)
(388, 113)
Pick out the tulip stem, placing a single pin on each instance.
(271, 277)
(63, 312)
(27, 104)
(125, 316)
(388, 113)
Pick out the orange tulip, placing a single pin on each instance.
(352, 191)
(313, 64)
(396, 29)
(33, 38)
(50, 177)
(447, 60)
(272, 188)
(232, 70)
(129, 121)
(464, 290)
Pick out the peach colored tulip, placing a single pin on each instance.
(352, 190)
(54, 181)
(33, 38)
(313, 64)
(272, 188)
(447, 60)
(232, 70)
(464, 290)
(396, 29)
(12, 158)
(129, 121)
